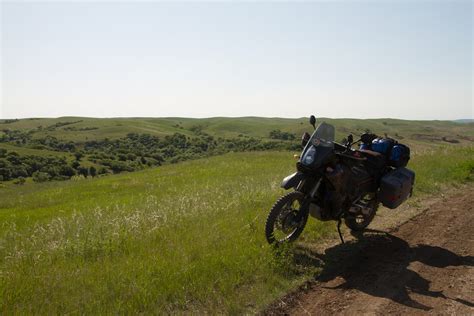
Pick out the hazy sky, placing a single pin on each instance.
(400, 59)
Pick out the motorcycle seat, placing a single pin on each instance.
(370, 152)
(351, 156)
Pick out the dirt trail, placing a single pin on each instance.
(424, 266)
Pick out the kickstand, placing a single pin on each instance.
(339, 229)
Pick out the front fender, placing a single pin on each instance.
(292, 180)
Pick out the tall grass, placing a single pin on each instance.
(437, 168)
(181, 238)
(185, 237)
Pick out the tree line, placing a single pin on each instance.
(132, 152)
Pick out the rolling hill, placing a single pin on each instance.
(184, 238)
(60, 148)
(178, 238)
(81, 129)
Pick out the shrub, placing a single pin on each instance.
(277, 134)
(103, 170)
(83, 171)
(78, 155)
(19, 181)
(39, 176)
(92, 171)
(67, 171)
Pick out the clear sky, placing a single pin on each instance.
(400, 59)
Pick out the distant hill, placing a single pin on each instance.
(59, 148)
(81, 129)
(464, 121)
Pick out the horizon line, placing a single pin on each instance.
(229, 117)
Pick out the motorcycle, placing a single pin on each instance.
(332, 182)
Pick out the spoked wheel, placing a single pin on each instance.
(362, 213)
(287, 219)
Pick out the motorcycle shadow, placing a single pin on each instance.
(377, 263)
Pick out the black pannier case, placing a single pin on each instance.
(395, 187)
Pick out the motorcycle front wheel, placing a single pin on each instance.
(286, 219)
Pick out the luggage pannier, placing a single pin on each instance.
(395, 187)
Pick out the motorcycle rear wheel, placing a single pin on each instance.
(285, 222)
(360, 221)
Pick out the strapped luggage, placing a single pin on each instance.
(399, 155)
(382, 145)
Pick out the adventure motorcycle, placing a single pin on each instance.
(335, 182)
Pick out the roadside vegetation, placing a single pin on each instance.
(178, 238)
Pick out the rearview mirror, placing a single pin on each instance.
(312, 121)
(350, 139)
(305, 139)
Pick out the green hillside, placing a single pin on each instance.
(177, 238)
(62, 148)
(81, 129)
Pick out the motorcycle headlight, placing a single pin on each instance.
(309, 156)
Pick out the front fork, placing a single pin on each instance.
(308, 197)
(304, 209)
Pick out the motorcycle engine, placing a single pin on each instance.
(318, 212)
(339, 177)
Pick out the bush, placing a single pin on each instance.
(118, 166)
(83, 171)
(277, 134)
(103, 170)
(19, 181)
(92, 171)
(40, 176)
(78, 155)
(67, 171)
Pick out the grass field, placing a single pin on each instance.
(178, 238)
(36, 152)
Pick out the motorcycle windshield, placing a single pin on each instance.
(323, 135)
(319, 147)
